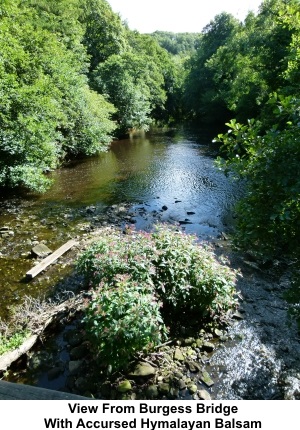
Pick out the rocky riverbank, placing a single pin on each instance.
(256, 356)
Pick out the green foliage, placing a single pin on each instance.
(188, 278)
(47, 110)
(124, 80)
(166, 266)
(104, 33)
(12, 342)
(269, 214)
(183, 44)
(201, 95)
(124, 319)
(163, 76)
(237, 65)
(52, 53)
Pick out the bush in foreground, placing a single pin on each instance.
(132, 273)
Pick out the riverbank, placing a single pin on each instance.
(255, 357)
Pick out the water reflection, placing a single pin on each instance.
(164, 177)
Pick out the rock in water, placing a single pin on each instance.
(204, 395)
(206, 379)
(41, 250)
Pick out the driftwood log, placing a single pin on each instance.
(50, 259)
(40, 323)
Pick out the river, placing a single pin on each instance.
(167, 176)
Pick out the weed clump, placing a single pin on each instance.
(143, 281)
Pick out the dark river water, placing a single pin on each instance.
(167, 176)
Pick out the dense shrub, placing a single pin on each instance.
(123, 320)
(47, 110)
(132, 273)
(269, 161)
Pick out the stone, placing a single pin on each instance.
(174, 392)
(206, 379)
(199, 342)
(90, 209)
(41, 250)
(208, 346)
(193, 366)
(218, 332)
(189, 341)
(178, 374)
(192, 388)
(74, 338)
(164, 388)
(204, 395)
(75, 366)
(4, 228)
(190, 213)
(124, 386)
(178, 355)
(237, 316)
(164, 208)
(143, 369)
(54, 373)
(122, 209)
(181, 384)
(79, 351)
(152, 392)
(35, 362)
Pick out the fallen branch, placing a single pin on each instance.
(39, 323)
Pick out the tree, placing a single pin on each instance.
(183, 44)
(201, 95)
(104, 33)
(269, 213)
(47, 109)
(121, 79)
